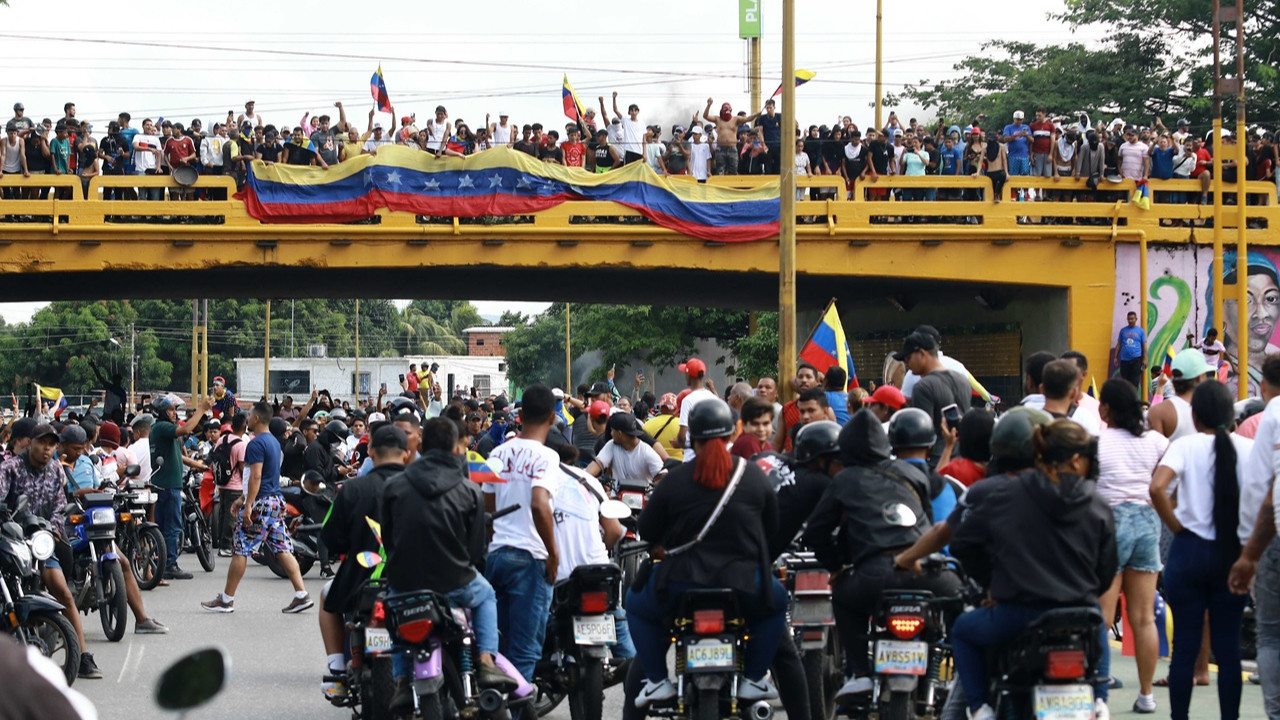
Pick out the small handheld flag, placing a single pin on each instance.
(802, 77)
(480, 469)
(378, 88)
(827, 345)
(572, 105)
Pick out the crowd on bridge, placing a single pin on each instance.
(1112, 494)
(714, 141)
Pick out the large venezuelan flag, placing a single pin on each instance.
(501, 181)
(828, 346)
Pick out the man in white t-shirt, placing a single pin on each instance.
(695, 373)
(438, 130)
(632, 144)
(523, 560)
(624, 456)
(141, 447)
(699, 156)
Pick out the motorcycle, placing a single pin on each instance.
(303, 524)
(196, 535)
(710, 636)
(139, 539)
(812, 624)
(30, 615)
(96, 577)
(575, 658)
(369, 681)
(1048, 672)
(630, 551)
(910, 649)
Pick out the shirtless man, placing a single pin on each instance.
(726, 156)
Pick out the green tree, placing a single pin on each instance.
(425, 335)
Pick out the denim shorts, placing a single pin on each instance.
(1137, 537)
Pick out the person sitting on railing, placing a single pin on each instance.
(995, 163)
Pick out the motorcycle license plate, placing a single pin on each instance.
(709, 655)
(377, 641)
(594, 630)
(1064, 702)
(144, 497)
(895, 657)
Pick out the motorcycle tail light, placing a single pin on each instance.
(75, 519)
(817, 581)
(416, 631)
(126, 516)
(594, 603)
(708, 622)
(379, 616)
(906, 627)
(1064, 664)
(291, 511)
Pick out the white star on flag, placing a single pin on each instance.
(523, 182)
(495, 182)
(393, 177)
(466, 182)
(431, 184)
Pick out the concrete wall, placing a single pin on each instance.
(336, 374)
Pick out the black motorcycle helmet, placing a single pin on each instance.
(400, 406)
(815, 440)
(337, 429)
(911, 428)
(710, 418)
(313, 476)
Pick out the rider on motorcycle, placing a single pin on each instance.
(346, 532)
(879, 506)
(433, 504)
(319, 454)
(1042, 542)
(734, 553)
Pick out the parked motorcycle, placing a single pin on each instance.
(813, 629)
(139, 539)
(30, 615)
(96, 577)
(575, 658)
(196, 535)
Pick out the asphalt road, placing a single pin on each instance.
(277, 659)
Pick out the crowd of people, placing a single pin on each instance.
(1066, 500)
(721, 143)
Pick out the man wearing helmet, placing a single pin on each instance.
(319, 454)
(879, 505)
(166, 444)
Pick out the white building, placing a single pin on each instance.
(297, 376)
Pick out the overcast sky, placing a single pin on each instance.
(474, 58)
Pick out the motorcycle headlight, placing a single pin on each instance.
(42, 544)
(102, 516)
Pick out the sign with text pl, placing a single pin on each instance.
(749, 18)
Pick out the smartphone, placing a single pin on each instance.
(951, 414)
(384, 387)
(401, 377)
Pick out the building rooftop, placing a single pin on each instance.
(489, 328)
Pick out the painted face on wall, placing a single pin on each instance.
(1264, 314)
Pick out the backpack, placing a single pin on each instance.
(220, 462)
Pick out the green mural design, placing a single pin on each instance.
(1169, 333)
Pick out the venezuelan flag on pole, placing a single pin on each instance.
(379, 90)
(827, 345)
(802, 77)
(572, 105)
(52, 397)
(501, 181)
(1167, 370)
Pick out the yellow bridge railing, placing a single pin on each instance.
(1065, 209)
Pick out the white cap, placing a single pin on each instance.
(697, 130)
(504, 114)
(376, 417)
(377, 126)
(557, 393)
(1017, 115)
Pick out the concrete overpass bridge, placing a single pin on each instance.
(1057, 273)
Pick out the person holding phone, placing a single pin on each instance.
(937, 388)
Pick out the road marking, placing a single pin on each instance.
(131, 663)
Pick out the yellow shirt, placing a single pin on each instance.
(664, 429)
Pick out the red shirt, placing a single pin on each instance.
(1042, 137)
(1204, 161)
(411, 380)
(964, 470)
(574, 154)
(748, 446)
(177, 148)
(790, 416)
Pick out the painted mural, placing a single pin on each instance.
(1179, 301)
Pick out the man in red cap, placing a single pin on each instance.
(886, 401)
(695, 374)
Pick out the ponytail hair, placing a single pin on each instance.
(1059, 441)
(1121, 398)
(713, 464)
(1213, 408)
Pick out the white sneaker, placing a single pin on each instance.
(652, 692)
(1100, 710)
(855, 686)
(983, 713)
(753, 690)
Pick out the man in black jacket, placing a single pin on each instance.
(319, 454)
(434, 531)
(347, 532)
(874, 507)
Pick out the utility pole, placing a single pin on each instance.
(266, 356)
(568, 354)
(879, 61)
(787, 192)
(1236, 14)
(204, 341)
(195, 351)
(133, 355)
(1218, 266)
(358, 353)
